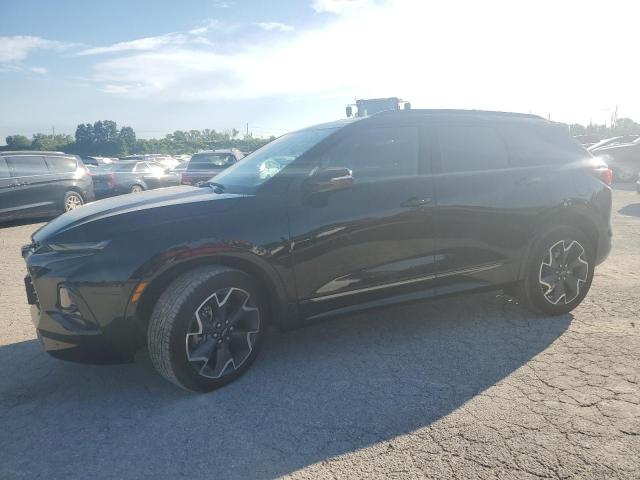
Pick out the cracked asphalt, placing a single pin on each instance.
(468, 387)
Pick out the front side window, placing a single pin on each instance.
(468, 148)
(27, 165)
(141, 168)
(62, 164)
(376, 153)
(261, 165)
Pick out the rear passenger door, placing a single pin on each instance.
(474, 243)
(62, 172)
(35, 184)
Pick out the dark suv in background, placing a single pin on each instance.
(35, 184)
(206, 165)
(332, 219)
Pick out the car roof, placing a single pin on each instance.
(431, 114)
(35, 152)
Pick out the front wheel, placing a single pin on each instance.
(206, 328)
(559, 271)
(137, 189)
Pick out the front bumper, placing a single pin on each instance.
(64, 336)
(94, 329)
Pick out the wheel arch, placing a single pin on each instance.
(267, 280)
(577, 217)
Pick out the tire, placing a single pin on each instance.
(136, 188)
(185, 347)
(72, 200)
(551, 287)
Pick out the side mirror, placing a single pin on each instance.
(329, 180)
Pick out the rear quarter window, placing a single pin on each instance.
(62, 164)
(532, 145)
(27, 165)
(468, 148)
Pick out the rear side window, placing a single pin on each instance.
(376, 153)
(27, 165)
(4, 168)
(466, 148)
(531, 145)
(210, 160)
(62, 164)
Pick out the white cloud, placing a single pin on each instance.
(338, 6)
(274, 26)
(17, 48)
(39, 69)
(140, 44)
(426, 52)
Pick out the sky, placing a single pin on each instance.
(279, 65)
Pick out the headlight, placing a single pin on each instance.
(78, 247)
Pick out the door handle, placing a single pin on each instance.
(415, 202)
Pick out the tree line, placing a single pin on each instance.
(104, 138)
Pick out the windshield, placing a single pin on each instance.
(263, 164)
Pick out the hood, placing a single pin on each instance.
(137, 204)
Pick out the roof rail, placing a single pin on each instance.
(444, 111)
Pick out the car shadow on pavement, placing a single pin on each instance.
(632, 210)
(313, 394)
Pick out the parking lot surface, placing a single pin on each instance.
(471, 387)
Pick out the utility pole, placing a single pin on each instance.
(247, 129)
(53, 130)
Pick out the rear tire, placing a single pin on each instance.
(207, 328)
(136, 189)
(559, 271)
(71, 201)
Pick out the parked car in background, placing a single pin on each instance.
(332, 219)
(587, 140)
(622, 154)
(207, 164)
(103, 182)
(35, 184)
(132, 177)
(609, 142)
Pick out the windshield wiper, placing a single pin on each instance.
(215, 186)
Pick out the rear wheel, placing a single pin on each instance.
(136, 189)
(72, 200)
(559, 271)
(206, 328)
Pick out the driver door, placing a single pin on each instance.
(373, 239)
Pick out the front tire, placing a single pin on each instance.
(559, 271)
(206, 328)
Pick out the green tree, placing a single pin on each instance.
(18, 142)
(42, 141)
(128, 139)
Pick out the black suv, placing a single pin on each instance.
(332, 219)
(36, 184)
